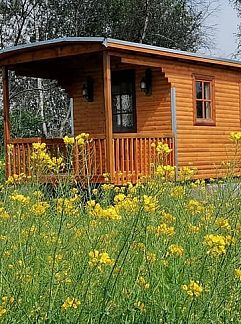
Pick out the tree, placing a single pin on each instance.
(175, 24)
(237, 6)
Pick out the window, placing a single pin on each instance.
(123, 101)
(204, 105)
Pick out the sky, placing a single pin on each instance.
(225, 23)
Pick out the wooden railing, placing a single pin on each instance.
(133, 156)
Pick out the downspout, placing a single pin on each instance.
(174, 126)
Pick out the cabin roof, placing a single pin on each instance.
(7, 55)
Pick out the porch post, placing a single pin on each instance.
(108, 113)
(6, 119)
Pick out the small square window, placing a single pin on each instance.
(203, 101)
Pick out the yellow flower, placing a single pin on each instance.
(186, 173)
(216, 243)
(150, 257)
(3, 311)
(237, 273)
(176, 250)
(150, 203)
(193, 289)
(20, 198)
(99, 258)
(40, 208)
(10, 147)
(68, 140)
(164, 229)
(193, 228)
(70, 303)
(235, 137)
(223, 223)
(195, 206)
(142, 282)
(141, 306)
(166, 172)
(162, 148)
(178, 192)
(3, 214)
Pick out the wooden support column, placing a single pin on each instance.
(6, 118)
(108, 113)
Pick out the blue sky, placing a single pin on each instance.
(226, 25)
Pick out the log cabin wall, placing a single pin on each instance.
(205, 147)
(153, 112)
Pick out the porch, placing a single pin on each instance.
(133, 157)
(122, 99)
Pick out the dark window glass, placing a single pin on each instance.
(199, 109)
(199, 90)
(203, 100)
(123, 101)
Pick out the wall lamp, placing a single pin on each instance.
(88, 90)
(146, 83)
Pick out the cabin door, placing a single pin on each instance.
(123, 118)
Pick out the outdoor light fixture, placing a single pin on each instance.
(146, 83)
(88, 90)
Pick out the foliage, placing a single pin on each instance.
(169, 23)
(157, 252)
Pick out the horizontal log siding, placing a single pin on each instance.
(89, 117)
(205, 147)
(154, 111)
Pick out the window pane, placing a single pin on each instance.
(207, 109)
(127, 120)
(126, 103)
(198, 89)
(199, 109)
(206, 90)
(116, 104)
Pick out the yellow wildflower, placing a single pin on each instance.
(195, 206)
(3, 214)
(175, 250)
(141, 306)
(216, 243)
(223, 223)
(237, 273)
(3, 311)
(142, 282)
(151, 257)
(193, 289)
(235, 137)
(70, 303)
(167, 172)
(68, 140)
(20, 198)
(99, 258)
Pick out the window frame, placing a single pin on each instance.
(120, 75)
(204, 121)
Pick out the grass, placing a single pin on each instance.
(146, 254)
(158, 252)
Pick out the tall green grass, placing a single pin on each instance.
(127, 255)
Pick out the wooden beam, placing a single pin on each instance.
(6, 118)
(46, 53)
(108, 113)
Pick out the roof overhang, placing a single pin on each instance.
(73, 46)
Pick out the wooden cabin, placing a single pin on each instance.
(127, 96)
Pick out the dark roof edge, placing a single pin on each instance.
(172, 51)
(53, 41)
(108, 41)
